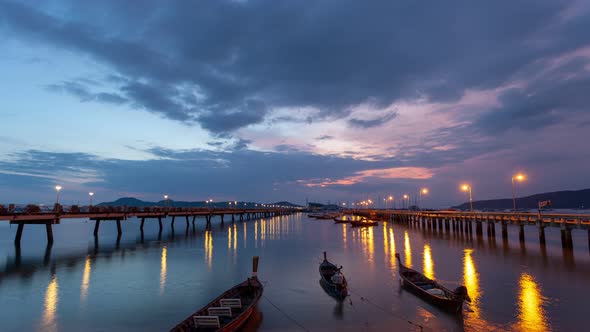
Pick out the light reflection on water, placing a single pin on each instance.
(407, 249)
(428, 262)
(49, 321)
(208, 248)
(85, 280)
(121, 278)
(531, 315)
(163, 268)
(392, 262)
(471, 281)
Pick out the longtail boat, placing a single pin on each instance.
(431, 291)
(333, 281)
(342, 220)
(230, 310)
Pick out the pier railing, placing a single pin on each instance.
(36, 215)
(462, 221)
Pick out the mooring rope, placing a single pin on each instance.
(367, 300)
(285, 314)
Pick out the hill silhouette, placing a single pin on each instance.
(568, 199)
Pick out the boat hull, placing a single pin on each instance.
(451, 306)
(253, 284)
(418, 284)
(333, 290)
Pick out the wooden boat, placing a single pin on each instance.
(342, 220)
(333, 281)
(363, 223)
(230, 310)
(431, 291)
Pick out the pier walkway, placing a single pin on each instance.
(464, 222)
(32, 215)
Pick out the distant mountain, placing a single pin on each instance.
(285, 203)
(320, 206)
(130, 201)
(571, 199)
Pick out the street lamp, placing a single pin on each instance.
(423, 191)
(406, 197)
(518, 177)
(57, 189)
(467, 188)
(91, 194)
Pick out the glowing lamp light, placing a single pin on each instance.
(58, 188)
(519, 177)
(465, 187)
(406, 196)
(424, 191)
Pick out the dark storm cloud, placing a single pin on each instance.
(208, 59)
(80, 90)
(370, 123)
(558, 94)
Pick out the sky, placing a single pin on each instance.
(326, 101)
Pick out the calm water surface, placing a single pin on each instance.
(151, 283)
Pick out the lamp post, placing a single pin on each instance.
(518, 177)
(467, 188)
(406, 197)
(423, 191)
(91, 194)
(57, 189)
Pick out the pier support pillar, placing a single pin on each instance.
(49, 230)
(141, 225)
(194, 218)
(19, 234)
(119, 227)
(187, 222)
(96, 226)
(504, 231)
(160, 223)
(542, 235)
(222, 218)
(478, 228)
(233, 217)
(521, 233)
(447, 226)
(172, 224)
(566, 238)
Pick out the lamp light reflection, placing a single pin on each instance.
(50, 308)
(407, 249)
(428, 263)
(531, 316)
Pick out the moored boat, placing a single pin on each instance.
(333, 281)
(431, 291)
(342, 219)
(230, 310)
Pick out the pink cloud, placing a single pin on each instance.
(416, 173)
